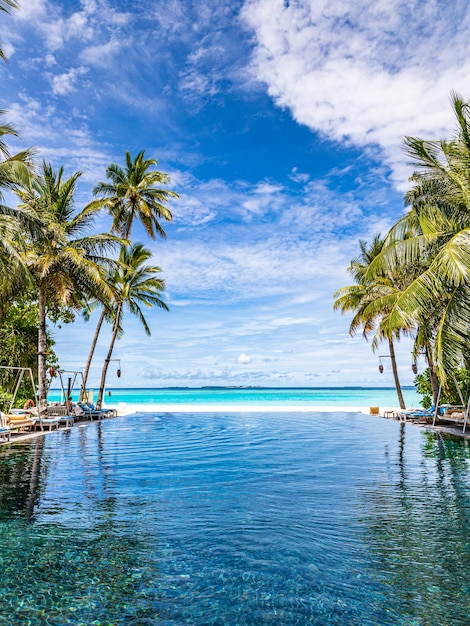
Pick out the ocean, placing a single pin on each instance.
(282, 397)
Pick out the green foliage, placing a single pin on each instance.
(449, 395)
(5, 400)
(135, 193)
(19, 347)
(423, 386)
(24, 393)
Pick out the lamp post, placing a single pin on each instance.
(414, 364)
(118, 371)
(381, 366)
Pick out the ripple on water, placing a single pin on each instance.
(236, 519)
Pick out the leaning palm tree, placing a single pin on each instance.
(135, 284)
(107, 314)
(370, 300)
(440, 214)
(135, 193)
(64, 261)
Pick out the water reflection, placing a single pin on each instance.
(236, 519)
(417, 530)
(22, 476)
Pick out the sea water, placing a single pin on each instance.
(238, 518)
(276, 397)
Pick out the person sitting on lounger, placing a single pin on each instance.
(77, 411)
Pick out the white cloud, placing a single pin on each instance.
(31, 10)
(191, 212)
(96, 20)
(68, 82)
(243, 359)
(103, 54)
(362, 72)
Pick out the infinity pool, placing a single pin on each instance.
(239, 519)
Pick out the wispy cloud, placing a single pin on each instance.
(68, 82)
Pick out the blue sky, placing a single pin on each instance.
(281, 126)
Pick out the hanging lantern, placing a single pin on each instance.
(381, 368)
(52, 372)
(118, 373)
(414, 368)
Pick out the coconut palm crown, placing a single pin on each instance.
(135, 193)
(135, 284)
(370, 300)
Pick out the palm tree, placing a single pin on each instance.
(131, 194)
(107, 313)
(135, 193)
(135, 284)
(370, 300)
(65, 263)
(440, 218)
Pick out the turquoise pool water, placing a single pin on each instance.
(244, 519)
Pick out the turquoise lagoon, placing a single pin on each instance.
(236, 518)
(253, 396)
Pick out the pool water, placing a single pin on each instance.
(310, 518)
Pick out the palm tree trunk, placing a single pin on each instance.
(42, 348)
(90, 355)
(99, 401)
(395, 375)
(432, 374)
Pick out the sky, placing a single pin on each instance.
(281, 126)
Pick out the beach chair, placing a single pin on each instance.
(453, 414)
(58, 410)
(5, 434)
(61, 413)
(418, 414)
(94, 413)
(48, 422)
(19, 422)
(67, 420)
(4, 431)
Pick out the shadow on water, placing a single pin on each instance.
(418, 534)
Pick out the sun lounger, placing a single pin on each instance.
(57, 411)
(48, 422)
(5, 434)
(417, 415)
(67, 420)
(20, 422)
(61, 413)
(453, 415)
(98, 414)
